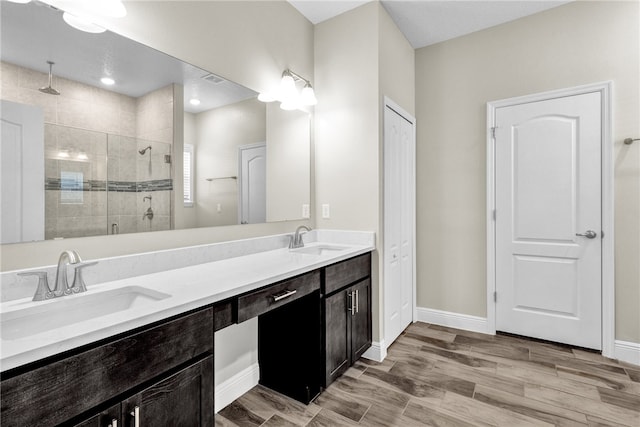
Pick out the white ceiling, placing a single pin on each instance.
(425, 22)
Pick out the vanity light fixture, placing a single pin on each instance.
(82, 156)
(107, 81)
(82, 24)
(63, 154)
(288, 95)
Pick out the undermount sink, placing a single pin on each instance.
(318, 249)
(49, 315)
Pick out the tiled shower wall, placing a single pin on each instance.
(94, 175)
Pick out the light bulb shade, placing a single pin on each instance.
(289, 105)
(308, 96)
(288, 91)
(82, 24)
(266, 97)
(95, 8)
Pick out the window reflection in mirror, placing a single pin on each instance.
(111, 153)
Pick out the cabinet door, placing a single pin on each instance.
(361, 319)
(184, 399)
(108, 418)
(337, 348)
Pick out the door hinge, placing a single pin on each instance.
(493, 132)
(495, 296)
(494, 214)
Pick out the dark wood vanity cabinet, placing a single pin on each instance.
(163, 366)
(346, 314)
(311, 328)
(182, 399)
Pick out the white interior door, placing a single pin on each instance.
(253, 186)
(22, 163)
(399, 221)
(548, 219)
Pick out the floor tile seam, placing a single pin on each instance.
(357, 397)
(531, 382)
(445, 412)
(353, 397)
(541, 403)
(283, 415)
(583, 365)
(577, 396)
(556, 404)
(604, 375)
(425, 382)
(624, 393)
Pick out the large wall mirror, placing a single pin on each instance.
(161, 145)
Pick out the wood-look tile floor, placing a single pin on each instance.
(440, 376)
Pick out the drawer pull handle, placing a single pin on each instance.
(136, 416)
(114, 423)
(357, 300)
(285, 294)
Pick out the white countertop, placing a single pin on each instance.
(188, 288)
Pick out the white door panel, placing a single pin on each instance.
(253, 187)
(22, 168)
(399, 190)
(548, 190)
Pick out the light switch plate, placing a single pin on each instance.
(305, 210)
(326, 211)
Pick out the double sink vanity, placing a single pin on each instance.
(140, 350)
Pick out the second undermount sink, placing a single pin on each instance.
(321, 249)
(49, 315)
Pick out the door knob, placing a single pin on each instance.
(590, 234)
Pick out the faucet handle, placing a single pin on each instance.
(78, 280)
(43, 291)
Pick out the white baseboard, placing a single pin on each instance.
(627, 352)
(452, 320)
(377, 351)
(236, 386)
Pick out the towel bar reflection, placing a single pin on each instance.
(222, 177)
(628, 141)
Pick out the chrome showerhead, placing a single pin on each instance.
(144, 150)
(48, 89)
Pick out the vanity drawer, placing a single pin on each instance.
(223, 315)
(341, 274)
(54, 393)
(258, 302)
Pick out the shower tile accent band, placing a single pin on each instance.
(117, 186)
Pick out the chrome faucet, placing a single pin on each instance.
(67, 259)
(295, 241)
(62, 284)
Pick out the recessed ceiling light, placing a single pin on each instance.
(107, 81)
(194, 101)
